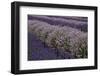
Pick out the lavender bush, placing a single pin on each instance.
(74, 22)
(63, 38)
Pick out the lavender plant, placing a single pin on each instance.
(63, 38)
(74, 22)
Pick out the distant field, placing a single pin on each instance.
(57, 37)
(74, 22)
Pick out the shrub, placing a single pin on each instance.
(62, 38)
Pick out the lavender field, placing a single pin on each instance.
(57, 37)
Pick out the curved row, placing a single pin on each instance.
(80, 25)
(64, 38)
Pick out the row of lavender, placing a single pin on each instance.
(72, 18)
(79, 23)
(59, 37)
